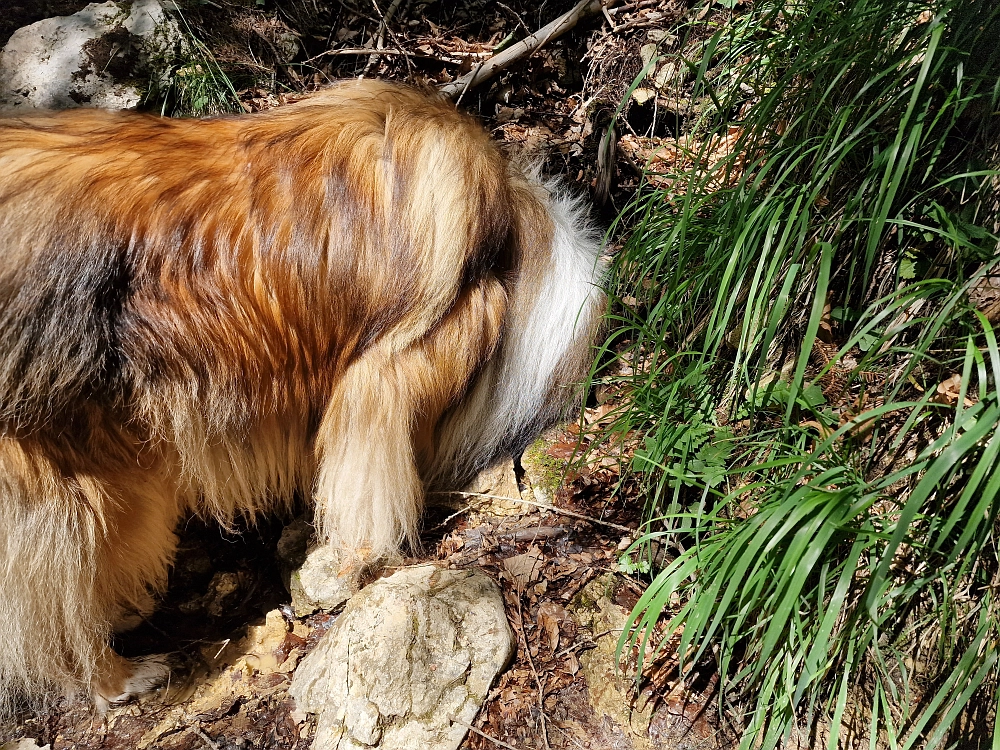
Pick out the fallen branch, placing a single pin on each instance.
(382, 28)
(384, 53)
(525, 47)
(543, 506)
(481, 733)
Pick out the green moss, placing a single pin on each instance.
(544, 471)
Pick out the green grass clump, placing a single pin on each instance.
(187, 79)
(792, 313)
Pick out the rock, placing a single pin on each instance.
(616, 716)
(99, 57)
(23, 744)
(647, 52)
(409, 653)
(642, 95)
(323, 581)
(661, 36)
(609, 688)
(544, 471)
(498, 482)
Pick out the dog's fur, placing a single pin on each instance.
(355, 297)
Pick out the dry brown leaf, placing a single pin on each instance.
(572, 664)
(525, 569)
(948, 392)
(562, 450)
(822, 429)
(550, 615)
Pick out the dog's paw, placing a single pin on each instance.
(146, 674)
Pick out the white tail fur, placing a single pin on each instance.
(545, 350)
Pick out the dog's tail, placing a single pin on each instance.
(556, 305)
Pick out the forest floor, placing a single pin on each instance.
(552, 563)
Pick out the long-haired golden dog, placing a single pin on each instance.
(355, 297)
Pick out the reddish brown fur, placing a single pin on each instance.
(212, 315)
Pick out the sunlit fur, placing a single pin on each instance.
(354, 298)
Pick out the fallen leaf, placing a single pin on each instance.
(525, 569)
(948, 392)
(550, 615)
(572, 664)
(562, 450)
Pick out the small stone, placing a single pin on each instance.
(287, 44)
(666, 75)
(642, 95)
(409, 654)
(660, 35)
(321, 582)
(221, 590)
(292, 547)
(647, 52)
(364, 726)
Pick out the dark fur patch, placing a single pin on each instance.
(58, 344)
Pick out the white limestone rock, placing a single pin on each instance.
(99, 57)
(324, 581)
(409, 654)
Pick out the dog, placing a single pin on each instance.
(355, 297)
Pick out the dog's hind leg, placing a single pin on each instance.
(378, 433)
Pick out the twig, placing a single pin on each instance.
(474, 537)
(531, 663)
(382, 28)
(610, 20)
(471, 77)
(568, 736)
(549, 508)
(592, 643)
(635, 6)
(481, 733)
(383, 52)
(452, 517)
(517, 17)
(525, 47)
(204, 737)
(357, 11)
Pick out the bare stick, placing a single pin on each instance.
(481, 733)
(382, 27)
(387, 52)
(531, 663)
(525, 47)
(543, 506)
(517, 17)
(592, 643)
